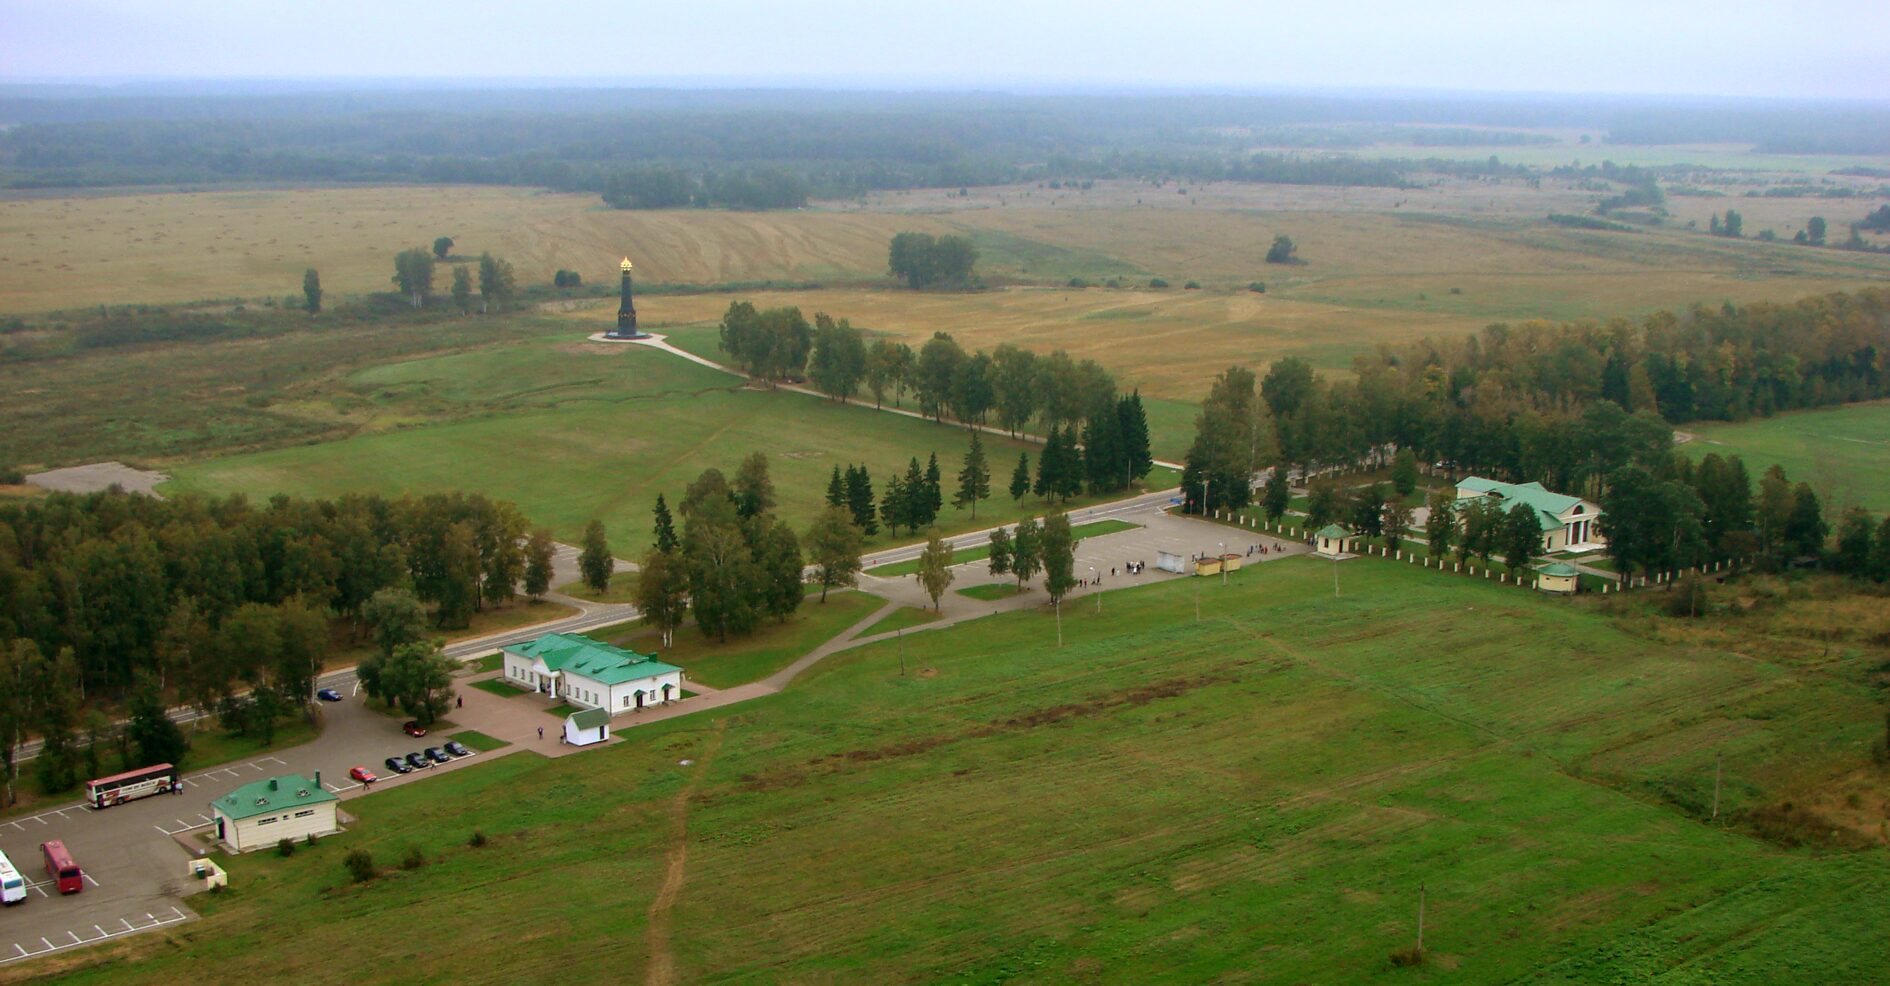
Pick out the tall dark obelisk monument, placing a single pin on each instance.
(626, 309)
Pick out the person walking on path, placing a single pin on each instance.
(541, 732)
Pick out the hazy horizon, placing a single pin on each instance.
(1822, 49)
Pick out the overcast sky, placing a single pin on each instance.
(1786, 48)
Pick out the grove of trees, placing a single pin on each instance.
(926, 261)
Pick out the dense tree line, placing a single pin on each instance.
(1564, 404)
(1010, 387)
(213, 595)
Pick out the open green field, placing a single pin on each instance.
(903, 618)
(741, 660)
(581, 431)
(1254, 797)
(1843, 452)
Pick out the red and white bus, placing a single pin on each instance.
(119, 788)
(61, 867)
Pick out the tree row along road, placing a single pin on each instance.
(594, 615)
(661, 342)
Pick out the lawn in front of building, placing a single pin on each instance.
(739, 660)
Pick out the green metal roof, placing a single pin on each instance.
(1332, 531)
(1557, 569)
(1549, 507)
(271, 795)
(574, 653)
(590, 718)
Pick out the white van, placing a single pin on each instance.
(12, 885)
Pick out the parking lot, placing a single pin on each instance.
(132, 856)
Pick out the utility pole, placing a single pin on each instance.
(902, 652)
(1097, 586)
(1197, 597)
(1059, 609)
(1223, 560)
(1335, 576)
(1420, 920)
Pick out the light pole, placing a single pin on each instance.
(1093, 584)
(1059, 608)
(902, 652)
(1223, 561)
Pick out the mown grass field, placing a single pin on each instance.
(572, 431)
(1256, 797)
(1843, 452)
(740, 660)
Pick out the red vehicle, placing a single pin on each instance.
(120, 788)
(414, 729)
(362, 774)
(61, 867)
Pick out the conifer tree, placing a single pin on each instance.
(665, 531)
(1048, 461)
(860, 499)
(836, 489)
(1135, 445)
(892, 505)
(1020, 477)
(974, 480)
(934, 495)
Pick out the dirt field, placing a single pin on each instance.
(1374, 246)
(114, 249)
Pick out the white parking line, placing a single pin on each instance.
(156, 922)
(88, 879)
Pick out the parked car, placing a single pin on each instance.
(398, 766)
(438, 755)
(328, 695)
(413, 729)
(418, 761)
(362, 774)
(454, 747)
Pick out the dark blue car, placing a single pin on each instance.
(328, 695)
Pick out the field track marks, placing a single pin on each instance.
(662, 967)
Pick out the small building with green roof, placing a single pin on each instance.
(1557, 577)
(262, 813)
(591, 674)
(1569, 523)
(1331, 539)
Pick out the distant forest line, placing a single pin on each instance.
(773, 149)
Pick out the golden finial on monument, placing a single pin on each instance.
(625, 265)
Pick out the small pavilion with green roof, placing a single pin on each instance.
(591, 674)
(1557, 577)
(1331, 539)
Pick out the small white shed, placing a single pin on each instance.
(587, 726)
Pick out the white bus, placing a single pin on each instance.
(12, 884)
(132, 784)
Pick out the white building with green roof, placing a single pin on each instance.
(261, 813)
(591, 674)
(1569, 523)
